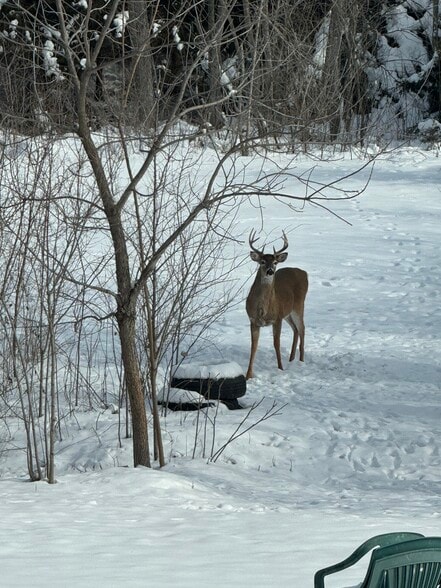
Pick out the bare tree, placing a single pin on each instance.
(126, 180)
(38, 249)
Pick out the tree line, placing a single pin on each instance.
(310, 71)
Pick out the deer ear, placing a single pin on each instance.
(282, 257)
(254, 256)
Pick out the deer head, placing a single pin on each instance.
(268, 261)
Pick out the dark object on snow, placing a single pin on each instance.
(398, 560)
(222, 389)
(187, 406)
(219, 387)
(232, 404)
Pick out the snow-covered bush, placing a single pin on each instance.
(402, 71)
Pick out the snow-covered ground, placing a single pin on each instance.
(352, 451)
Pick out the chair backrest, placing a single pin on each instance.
(411, 564)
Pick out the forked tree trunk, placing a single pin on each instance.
(126, 301)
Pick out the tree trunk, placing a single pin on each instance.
(140, 83)
(127, 334)
(436, 42)
(126, 317)
(331, 74)
(216, 15)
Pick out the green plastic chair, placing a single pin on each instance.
(398, 560)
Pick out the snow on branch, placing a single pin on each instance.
(177, 39)
(119, 23)
(50, 62)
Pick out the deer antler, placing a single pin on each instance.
(285, 244)
(252, 240)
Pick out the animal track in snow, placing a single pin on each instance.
(379, 445)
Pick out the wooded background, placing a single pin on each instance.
(334, 70)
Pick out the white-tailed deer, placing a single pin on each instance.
(274, 296)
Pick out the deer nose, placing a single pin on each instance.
(269, 271)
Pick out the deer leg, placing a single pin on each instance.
(294, 344)
(277, 329)
(255, 331)
(302, 343)
(295, 339)
(298, 327)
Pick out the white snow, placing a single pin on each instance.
(179, 396)
(353, 449)
(214, 371)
